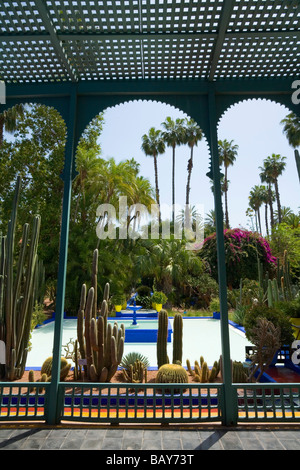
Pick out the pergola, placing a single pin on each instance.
(202, 57)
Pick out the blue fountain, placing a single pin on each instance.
(146, 330)
(134, 308)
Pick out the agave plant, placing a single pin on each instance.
(132, 357)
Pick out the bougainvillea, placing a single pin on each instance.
(242, 250)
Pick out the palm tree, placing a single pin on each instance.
(153, 145)
(223, 186)
(173, 135)
(293, 220)
(9, 119)
(142, 194)
(193, 135)
(274, 166)
(256, 199)
(265, 178)
(227, 156)
(291, 129)
(190, 219)
(210, 222)
(167, 262)
(265, 201)
(286, 212)
(88, 166)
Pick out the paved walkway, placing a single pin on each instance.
(42, 437)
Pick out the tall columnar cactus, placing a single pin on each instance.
(284, 278)
(177, 338)
(18, 291)
(273, 292)
(101, 344)
(162, 338)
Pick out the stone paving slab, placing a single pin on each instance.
(151, 440)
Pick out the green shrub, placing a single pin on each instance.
(118, 299)
(214, 305)
(143, 291)
(240, 313)
(202, 288)
(290, 308)
(159, 297)
(276, 316)
(250, 291)
(144, 301)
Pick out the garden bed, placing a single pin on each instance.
(116, 379)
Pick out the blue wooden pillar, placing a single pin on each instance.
(230, 403)
(67, 176)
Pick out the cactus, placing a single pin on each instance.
(201, 372)
(47, 368)
(286, 277)
(136, 372)
(18, 291)
(46, 371)
(177, 338)
(189, 368)
(77, 367)
(270, 294)
(101, 344)
(132, 357)
(162, 337)
(171, 373)
(239, 373)
(273, 292)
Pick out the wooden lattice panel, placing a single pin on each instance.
(102, 16)
(20, 17)
(177, 58)
(30, 61)
(46, 40)
(276, 15)
(105, 59)
(180, 16)
(258, 57)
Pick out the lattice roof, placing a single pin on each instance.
(70, 40)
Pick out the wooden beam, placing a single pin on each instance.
(56, 43)
(223, 24)
(145, 36)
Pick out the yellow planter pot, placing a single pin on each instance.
(118, 308)
(158, 307)
(296, 322)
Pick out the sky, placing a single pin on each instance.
(253, 125)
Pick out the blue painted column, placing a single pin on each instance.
(67, 176)
(229, 405)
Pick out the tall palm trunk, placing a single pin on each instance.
(156, 187)
(226, 201)
(173, 184)
(271, 205)
(188, 188)
(278, 200)
(266, 219)
(256, 223)
(259, 221)
(1, 129)
(188, 184)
